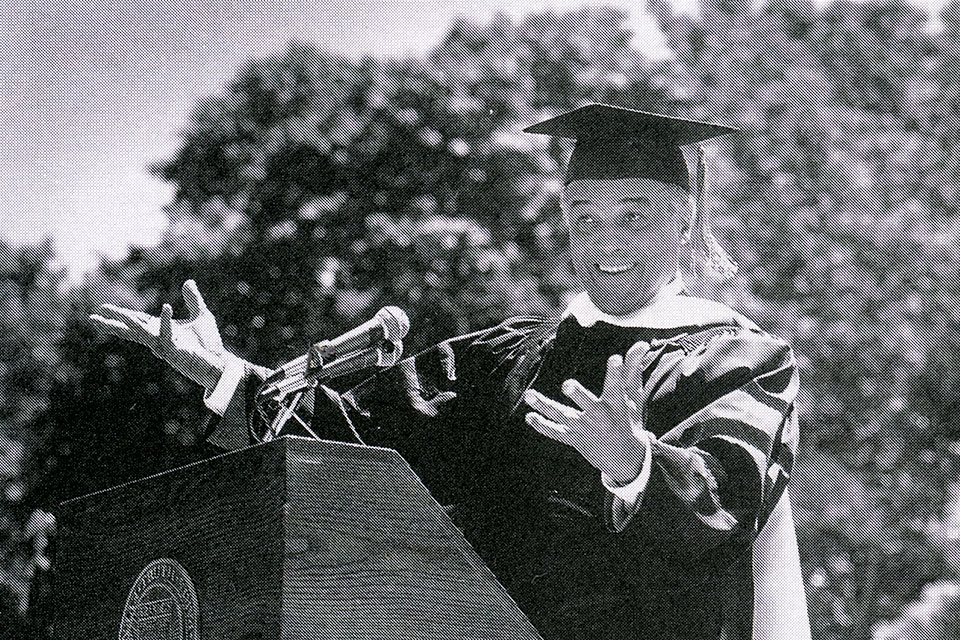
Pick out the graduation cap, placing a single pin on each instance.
(613, 142)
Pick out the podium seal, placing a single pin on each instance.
(162, 604)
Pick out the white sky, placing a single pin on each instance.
(92, 92)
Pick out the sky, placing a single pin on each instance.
(92, 93)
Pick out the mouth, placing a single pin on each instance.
(615, 270)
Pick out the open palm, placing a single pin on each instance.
(607, 430)
(192, 346)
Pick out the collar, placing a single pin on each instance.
(669, 308)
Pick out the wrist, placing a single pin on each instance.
(219, 396)
(203, 368)
(215, 369)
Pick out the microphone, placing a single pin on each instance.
(385, 355)
(390, 324)
(378, 342)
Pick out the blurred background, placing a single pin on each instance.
(310, 164)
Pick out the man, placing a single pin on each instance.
(613, 467)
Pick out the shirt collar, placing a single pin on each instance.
(650, 315)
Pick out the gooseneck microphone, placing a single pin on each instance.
(378, 342)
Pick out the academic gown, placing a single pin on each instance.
(581, 562)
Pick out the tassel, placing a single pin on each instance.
(707, 260)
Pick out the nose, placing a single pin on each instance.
(606, 240)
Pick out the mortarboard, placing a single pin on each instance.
(613, 142)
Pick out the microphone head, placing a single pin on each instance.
(395, 323)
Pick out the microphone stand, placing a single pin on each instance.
(287, 390)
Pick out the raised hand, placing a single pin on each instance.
(192, 346)
(607, 430)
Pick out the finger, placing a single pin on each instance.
(165, 340)
(550, 408)
(119, 313)
(635, 354)
(113, 327)
(634, 372)
(124, 325)
(582, 396)
(549, 428)
(614, 385)
(193, 299)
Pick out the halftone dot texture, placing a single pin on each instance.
(838, 201)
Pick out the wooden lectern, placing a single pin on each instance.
(292, 539)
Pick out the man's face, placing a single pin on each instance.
(623, 238)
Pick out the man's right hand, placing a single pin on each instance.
(192, 346)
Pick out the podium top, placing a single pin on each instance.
(330, 446)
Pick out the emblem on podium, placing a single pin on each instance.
(162, 604)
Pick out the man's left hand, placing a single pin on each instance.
(606, 430)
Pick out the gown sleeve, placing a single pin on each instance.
(726, 424)
(227, 423)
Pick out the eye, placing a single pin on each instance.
(585, 222)
(634, 217)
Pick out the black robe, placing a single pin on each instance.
(537, 512)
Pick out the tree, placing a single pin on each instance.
(33, 312)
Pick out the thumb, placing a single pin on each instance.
(637, 419)
(164, 345)
(635, 354)
(193, 299)
(634, 372)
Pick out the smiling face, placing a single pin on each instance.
(624, 238)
